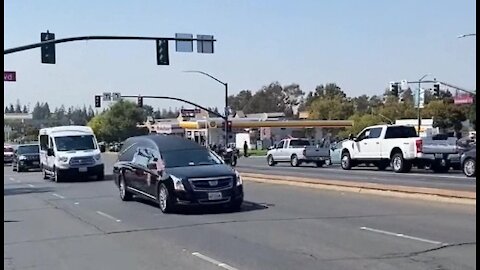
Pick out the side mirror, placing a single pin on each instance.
(271, 147)
(102, 148)
(351, 137)
(50, 152)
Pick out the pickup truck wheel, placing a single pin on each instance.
(399, 164)
(346, 161)
(294, 161)
(270, 161)
(469, 167)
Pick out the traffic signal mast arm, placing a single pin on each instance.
(64, 40)
(446, 84)
(177, 99)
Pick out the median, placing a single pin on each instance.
(430, 194)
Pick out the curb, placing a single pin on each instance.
(430, 194)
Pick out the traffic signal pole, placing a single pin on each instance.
(225, 116)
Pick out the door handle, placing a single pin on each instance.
(364, 143)
(377, 142)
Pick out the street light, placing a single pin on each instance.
(418, 101)
(467, 35)
(226, 100)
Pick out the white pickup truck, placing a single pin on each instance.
(297, 151)
(384, 145)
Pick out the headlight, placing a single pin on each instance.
(22, 158)
(63, 159)
(97, 157)
(177, 183)
(239, 179)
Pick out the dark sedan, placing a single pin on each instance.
(174, 171)
(469, 162)
(25, 157)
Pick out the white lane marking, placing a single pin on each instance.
(58, 196)
(76, 203)
(401, 235)
(30, 185)
(14, 180)
(108, 216)
(213, 261)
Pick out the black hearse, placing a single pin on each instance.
(175, 171)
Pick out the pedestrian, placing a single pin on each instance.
(245, 149)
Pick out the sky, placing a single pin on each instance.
(359, 45)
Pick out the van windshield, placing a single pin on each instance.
(72, 143)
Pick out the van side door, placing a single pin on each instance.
(51, 159)
(43, 141)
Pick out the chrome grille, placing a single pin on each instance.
(81, 161)
(211, 183)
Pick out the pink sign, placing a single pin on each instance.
(463, 99)
(9, 76)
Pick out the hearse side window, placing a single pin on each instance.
(127, 153)
(144, 156)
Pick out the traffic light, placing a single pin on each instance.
(436, 89)
(140, 101)
(98, 101)
(394, 89)
(229, 126)
(48, 50)
(162, 52)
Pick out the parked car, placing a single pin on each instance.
(440, 153)
(26, 156)
(297, 151)
(174, 171)
(335, 154)
(469, 162)
(8, 154)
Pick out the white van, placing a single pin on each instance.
(69, 151)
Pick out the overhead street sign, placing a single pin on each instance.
(9, 76)
(107, 96)
(116, 96)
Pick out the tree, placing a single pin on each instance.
(446, 115)
(25, 109)
(119, 122)
(331, 108)
(361, 122)
(18, 107)
(11, 108)
(240, 101)
(361, 104)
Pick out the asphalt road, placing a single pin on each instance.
(84, 225)
(454, 180)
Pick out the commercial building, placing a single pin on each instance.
(264, 129)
